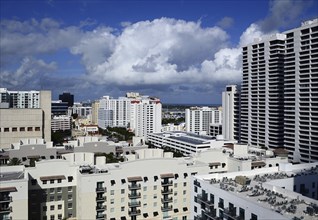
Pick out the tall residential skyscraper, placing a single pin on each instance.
(230, 102)
(199, 119)
(279, 92)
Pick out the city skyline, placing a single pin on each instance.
(180, 51)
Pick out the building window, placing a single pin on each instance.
(51, 198)
(51, 181)
(6, 130)
(70, 179)
(22, 128)
(59, 189)
(122, 199)
(112, 210)
(52, 207)
(51, 217)
(154, 204)
(59, 216)
(184, 217)
(154, 187)
(185, 184)
(70, 197)
(31, 129)
(59, 207)
(112, 201)
(70, 189)
(69, 205)
(44, 217)
(122, 191)
(145, 188)
(37, 129)
(14, 129)
(52, 190)
(59, 181)
(122, 208)
(253, 216)
(59, 198)
(176, 185)
(112, 192)
(44, 208)
(195, 209)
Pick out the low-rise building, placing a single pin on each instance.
(183, 142)
(285, 191)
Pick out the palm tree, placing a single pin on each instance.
(14, 161)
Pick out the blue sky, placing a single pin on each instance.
(181, 51)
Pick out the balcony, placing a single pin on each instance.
(134, 204)
(100, 189)
(100, 198)
(134, 186)
(167, 199)
(167, 191)
(134, 212)
(100, 216)
(5, 209)
(210, 213)
(166, 208)
(5, 199)
(230, 213)
(101, 207)
(204, 199)
(134, 195)
(167, 183)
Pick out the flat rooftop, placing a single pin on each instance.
(260, 191)
(7, 176)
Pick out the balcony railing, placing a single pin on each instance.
(166, 208)
(167, 199)
(100, 189)
(101, 207)
(167, 191)
(134, 212)
(134, 195)
(204, 199)
(5, 199)
(230, 212)
(100, 198)
(134, 204)
(167, 183)
(134, 186)
(100, 216)
(5, 209)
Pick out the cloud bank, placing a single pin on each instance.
(166, 55)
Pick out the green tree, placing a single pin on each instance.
(14, 161)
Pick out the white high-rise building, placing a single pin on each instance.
(199, 119)
(145, 116)
(279, 96)
(142, 114)
(229, 103)
(113, 112)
